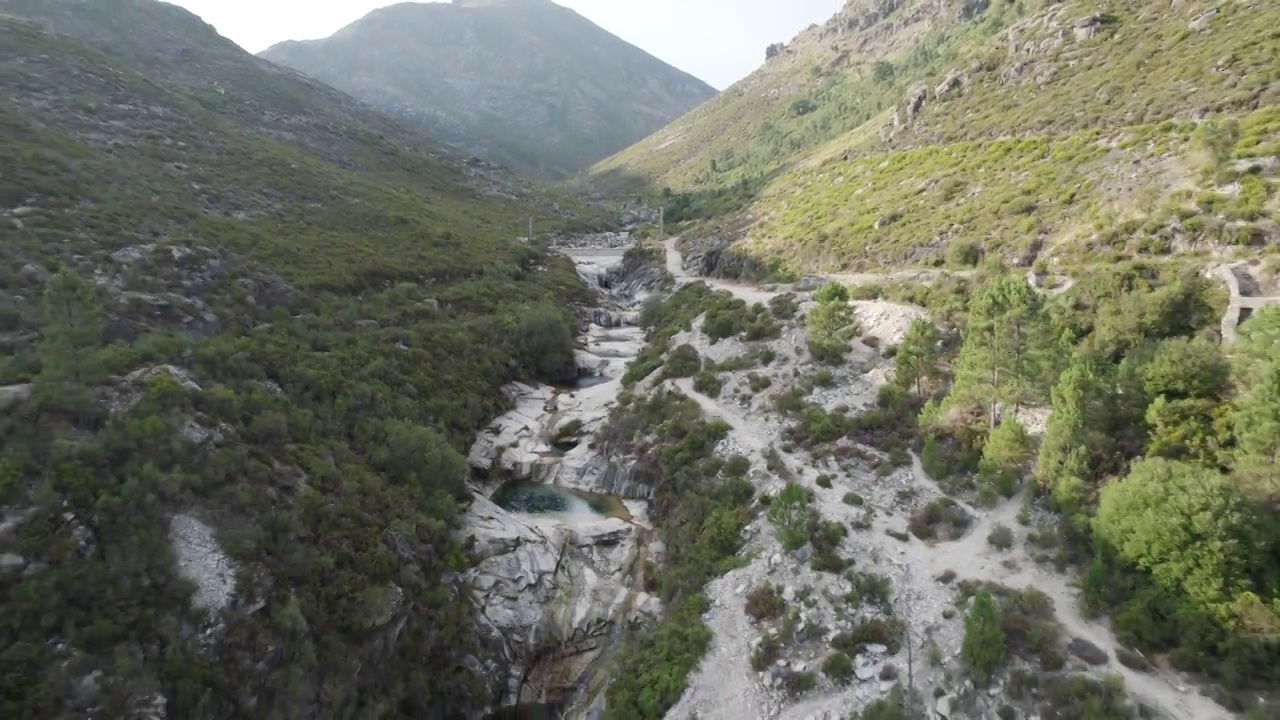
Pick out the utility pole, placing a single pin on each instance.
(530, 228)
(662, 223)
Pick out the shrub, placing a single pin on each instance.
(784, 306)
(683, 362)
(544, 340)
(964, 254)
(824, 378)
(941, 514)
(766, 653)
(799, 683)
(872, 632)
(870, 589)
(737, 466)
(708, 383)
(892, 707)
(839, 667)
(765, 603)
(1001, 537)
(853, 498)
(789, 513)
(824, 482)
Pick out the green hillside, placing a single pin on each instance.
(897, 130)
(232, 293)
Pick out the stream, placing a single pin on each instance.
(566, 537)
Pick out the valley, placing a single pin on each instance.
(929, 372)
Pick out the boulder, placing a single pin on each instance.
(1087, 651)
(13, 394)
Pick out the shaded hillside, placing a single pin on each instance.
(245, 325)
(526, 83)
(899, 129)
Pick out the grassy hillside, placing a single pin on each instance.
(530, 84)
(231, 293)
(899, 129)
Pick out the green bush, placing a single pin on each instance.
(789, 513)
(887, 632)
(544, 341)
(839, 667)
(853, 498)
(1000, 537)
(708, 383)
(765, 603)
(683, 362)
(983, 646)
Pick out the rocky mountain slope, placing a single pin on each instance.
(904, 132)
(246, 327)
(526, 83)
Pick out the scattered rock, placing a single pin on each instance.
(11, 561)
(1201, 22)
(1087, 651)
(33, 273)
(942, 707)
(916, 95)
(182, 377)
(13, 394)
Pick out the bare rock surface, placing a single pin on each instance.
(202, 561)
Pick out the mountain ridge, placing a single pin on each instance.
(535, 86)
(888, 86)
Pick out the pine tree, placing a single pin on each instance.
(70, 316)
(983, 646)
(1005, 456)
(1075, 427)
(831, 323)
(917, 358)
(1006, 351)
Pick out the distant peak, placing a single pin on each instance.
(499, 3)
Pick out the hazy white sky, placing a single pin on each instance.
(720, 41)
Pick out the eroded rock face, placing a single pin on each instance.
(546, 592)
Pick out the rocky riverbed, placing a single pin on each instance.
(560, 530)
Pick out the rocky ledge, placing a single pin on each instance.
(549, 595)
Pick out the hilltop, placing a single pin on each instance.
(902, 133)
(246, 326)
(531, 85)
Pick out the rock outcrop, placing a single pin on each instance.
(548, 596)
